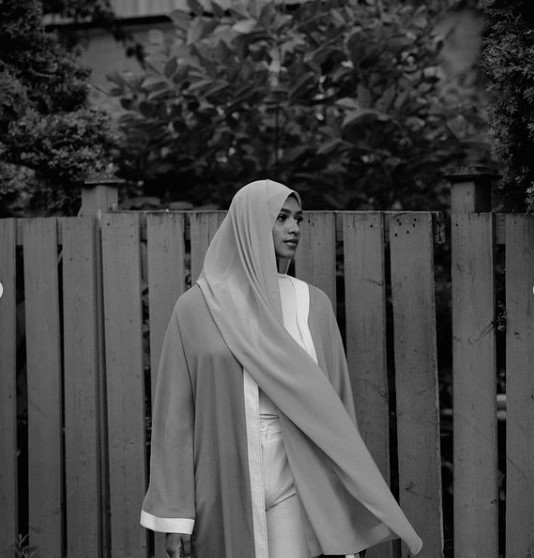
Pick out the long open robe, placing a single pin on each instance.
(226, 338)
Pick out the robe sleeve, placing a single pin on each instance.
(169, 504)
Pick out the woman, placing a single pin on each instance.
(255, 448)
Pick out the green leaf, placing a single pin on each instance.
(200, 84)
(364, 96)
(217, 9)
(156, 37)
(337, 18)
(199, 29)
(281, 22)
(195, 6)
(294, 153)
(302, 83)
(159, 94)
(362, 116)
(348, 103)
(245, 26)
(239, 8)
(329, 146)
(181, 19)
(171, 68)
(224, 53)
(152, 81)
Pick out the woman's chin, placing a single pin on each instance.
(288, 254)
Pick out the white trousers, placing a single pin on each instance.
(285, 533)
(284, 526)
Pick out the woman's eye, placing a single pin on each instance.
(300, 219)
(281, 218)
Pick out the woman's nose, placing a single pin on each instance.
(294, 227)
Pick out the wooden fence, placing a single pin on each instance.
(82, 318)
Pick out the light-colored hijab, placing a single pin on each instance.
(240, 285)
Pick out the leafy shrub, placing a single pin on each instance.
(49, 136)
(339, 99)
(508, 57)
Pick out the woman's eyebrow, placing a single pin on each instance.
(285, 211)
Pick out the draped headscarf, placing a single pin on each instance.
(240, 285)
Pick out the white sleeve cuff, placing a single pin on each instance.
(167, 524)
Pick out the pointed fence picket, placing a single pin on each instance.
(94, 299)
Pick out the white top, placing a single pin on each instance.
(295, 299)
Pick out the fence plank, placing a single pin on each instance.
(365, 313)
(43, 353)
(365, 309)
(315, 261)
(8, 387)
(519, 385)
(166, 276)
(125, 380)
(474, 387)
(82, 448)
(204, 225)
(166, 282)
(416, 376)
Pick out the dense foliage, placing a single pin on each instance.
(49, 136)
(508, 57)
(339, 99)
(94, 10)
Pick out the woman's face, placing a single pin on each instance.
(286, 229)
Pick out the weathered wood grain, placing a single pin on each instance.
(8, 387)
(125, 381)
(474, 387)
(519, 386)
(44, 380)
(416, 376)
(82, 444)
(315, 261)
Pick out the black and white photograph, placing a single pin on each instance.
(266, 279)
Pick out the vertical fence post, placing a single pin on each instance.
(471, 189)
(474, 365)
(100, 193)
